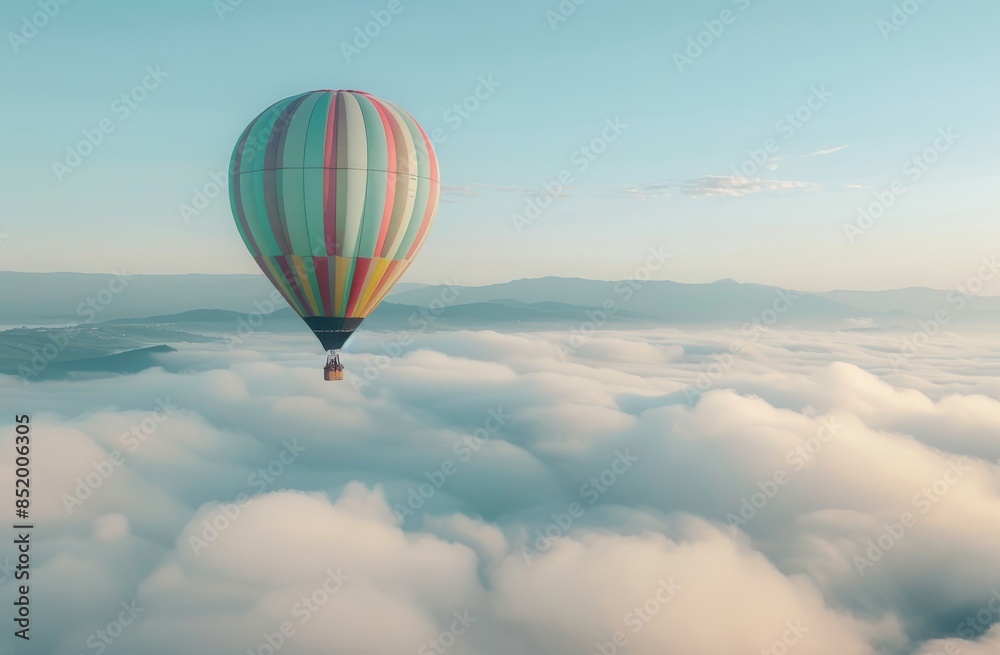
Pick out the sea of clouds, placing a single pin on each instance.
(667, 491)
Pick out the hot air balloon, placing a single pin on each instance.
(334, 193)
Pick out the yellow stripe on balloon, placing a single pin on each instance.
(342, 266)
(380, 296)
(376, 273)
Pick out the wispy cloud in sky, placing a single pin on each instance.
(820, 153)
(470, 191)
(715, 186)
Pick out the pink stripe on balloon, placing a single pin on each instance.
(388, 121)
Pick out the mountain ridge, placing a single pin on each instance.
(88, 298)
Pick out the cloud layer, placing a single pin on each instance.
(489, 493)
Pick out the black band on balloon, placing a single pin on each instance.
(332, 332)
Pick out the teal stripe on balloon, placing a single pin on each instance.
(252, 182)
(274, 175)
(255, 147)
(250, 191)
(314, 177)
(293, 180)
(376, 190)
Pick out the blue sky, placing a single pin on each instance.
(667, 180)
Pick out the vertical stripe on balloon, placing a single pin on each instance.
(273, 173)
(377, 272)
(273, 273)
(314, 175)
(305, 284)
(330, 186)
(289, 276)
(392, 276)
(293, 183)
(344, 274)
(354, 174)
(362, 271)
(390, 183)
(323, 279)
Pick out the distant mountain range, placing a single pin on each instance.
(78, 325)
(724, 300)
(75, 298)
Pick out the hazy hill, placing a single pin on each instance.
(388, 316)
(54, 298)
(62, 297)
(661, 300)
(915, 300)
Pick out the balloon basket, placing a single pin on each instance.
(333, 370)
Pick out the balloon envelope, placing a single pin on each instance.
(334, 193)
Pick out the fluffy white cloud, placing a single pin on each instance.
(809, 493)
